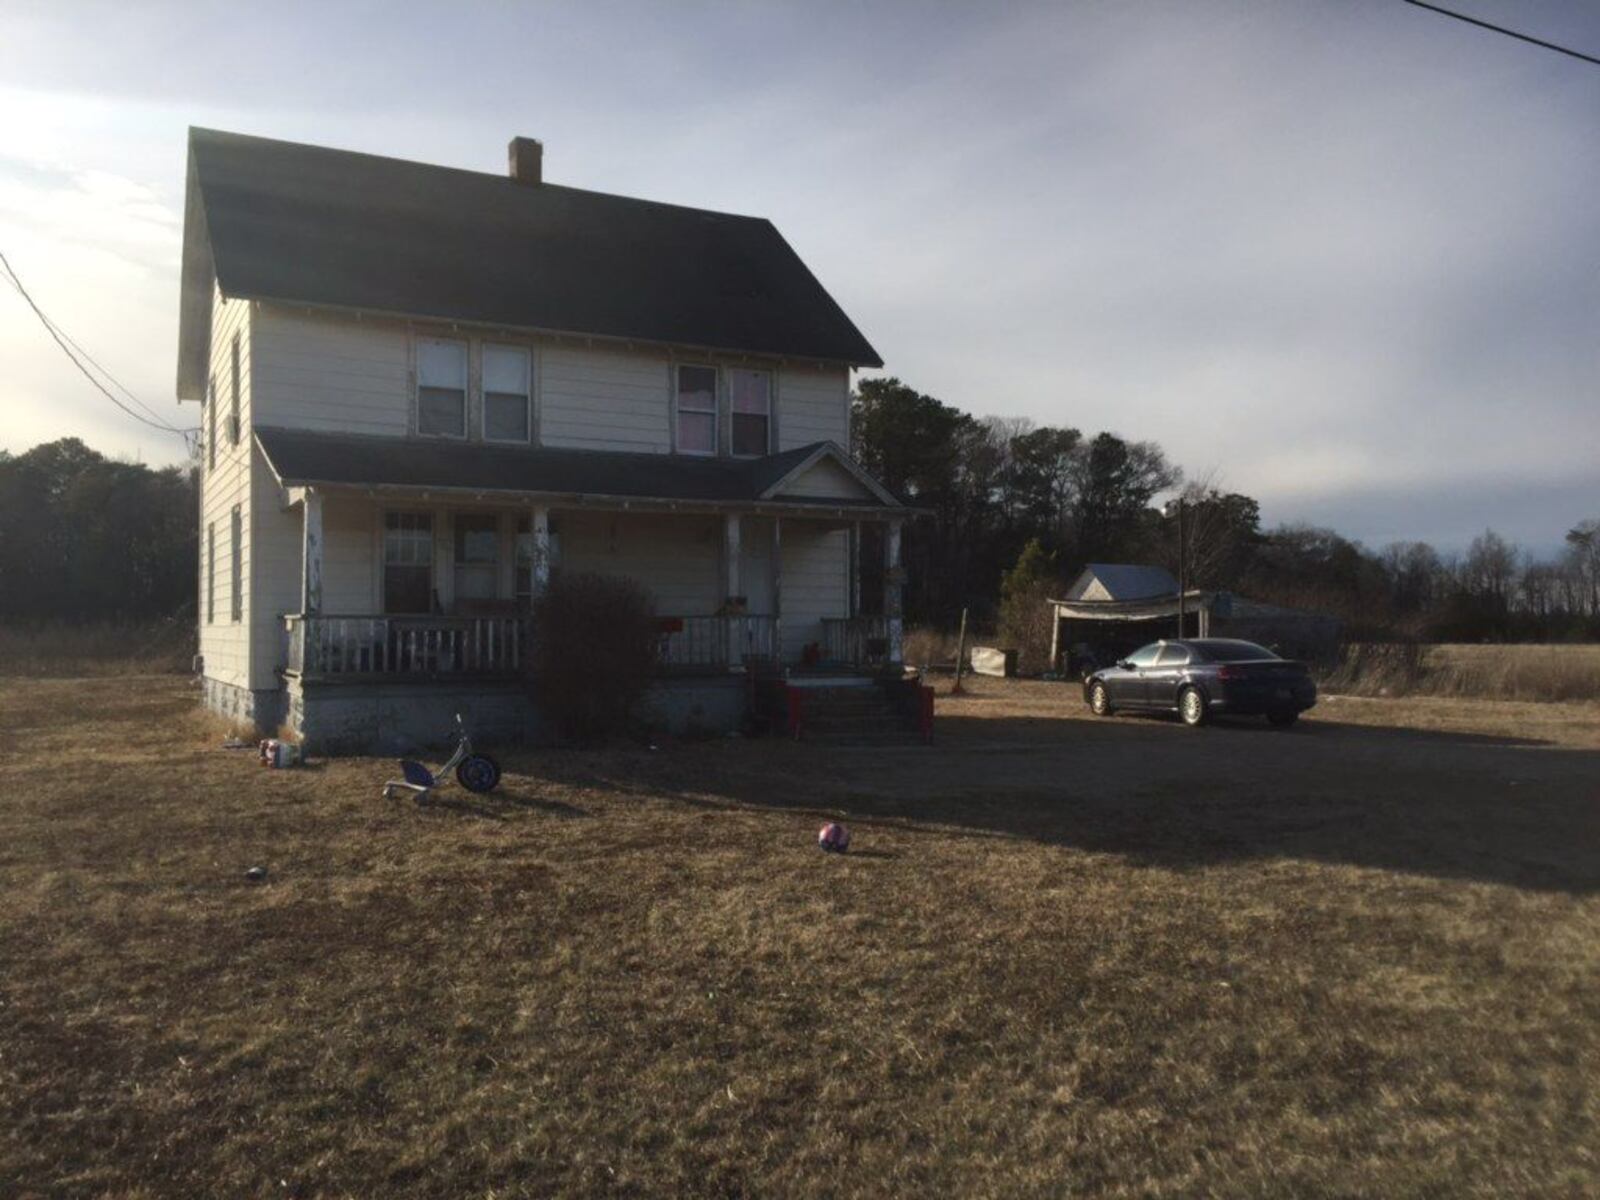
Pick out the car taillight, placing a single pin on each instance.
(1227, 673)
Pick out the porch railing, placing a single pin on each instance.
(859, 641)
(717, 643)
(429, 647)
(324, 646)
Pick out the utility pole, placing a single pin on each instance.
(961, 655)
(1183, 570)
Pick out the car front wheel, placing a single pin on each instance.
(1099, 700)
(1192, 707)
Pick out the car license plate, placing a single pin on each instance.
(1283, 693)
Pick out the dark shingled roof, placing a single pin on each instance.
(310, 225)
(301, 457)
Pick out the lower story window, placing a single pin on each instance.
(407, 562)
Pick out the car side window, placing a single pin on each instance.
(1173, 656)
(1145, 656)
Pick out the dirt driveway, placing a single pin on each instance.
(1503, 792)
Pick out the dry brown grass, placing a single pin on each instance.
(61, 650)
(1511, 672)
(1068, 956)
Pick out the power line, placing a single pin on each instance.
(61, 340)
(82, 353)
(1521, 37)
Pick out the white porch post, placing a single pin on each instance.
(311, 552)
(777, 590)
(855, 569)
(730, 587)
(892, 584)
(539, 527)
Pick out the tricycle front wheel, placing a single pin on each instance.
(478, 773)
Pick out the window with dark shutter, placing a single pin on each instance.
(236, 569)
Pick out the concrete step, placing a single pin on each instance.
(904, 737)
(880, 722)
(850, 710)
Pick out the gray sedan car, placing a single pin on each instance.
(1201, 677)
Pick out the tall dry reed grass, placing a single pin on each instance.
(102, 648)
(1508, 672)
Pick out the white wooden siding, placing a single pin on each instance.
(826, 480)
(275, 584)
(813, 406)
(225, 643)
(815, 582)
(331, 373)
(351, 556)
(677, 559)
(604, 400)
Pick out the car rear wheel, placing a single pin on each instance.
(1192, 707)
(1099, 700)
(1283, 719)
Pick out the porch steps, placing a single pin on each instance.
(855, 716)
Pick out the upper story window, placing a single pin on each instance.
(750, 407)
(233, 415)
(506, 394)
(442, 388)
(211, 425)
(695, 410)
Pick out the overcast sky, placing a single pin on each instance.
(1345, 256)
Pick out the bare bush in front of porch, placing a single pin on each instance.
(593, 654)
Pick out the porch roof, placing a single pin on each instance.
(300, 458)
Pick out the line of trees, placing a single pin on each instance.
(1018, 508)
(84, 537)
(87, 538)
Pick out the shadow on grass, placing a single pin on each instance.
(1503, 810)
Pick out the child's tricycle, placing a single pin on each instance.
(475, 772)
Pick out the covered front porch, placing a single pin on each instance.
(409, 586)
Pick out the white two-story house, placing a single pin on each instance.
(424, 390)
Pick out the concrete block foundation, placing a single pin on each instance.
(407, 718)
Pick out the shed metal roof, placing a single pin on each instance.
(1125, 581)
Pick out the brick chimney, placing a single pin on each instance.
(527, 159)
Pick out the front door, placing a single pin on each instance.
(477, 556)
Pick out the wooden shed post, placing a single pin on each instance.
(1055, 638)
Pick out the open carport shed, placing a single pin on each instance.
(1112, 609)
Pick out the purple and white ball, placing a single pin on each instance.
(833, 838)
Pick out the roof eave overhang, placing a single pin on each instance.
(197, 285)
(1126, 610)
(599, 501)
(571, 336)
